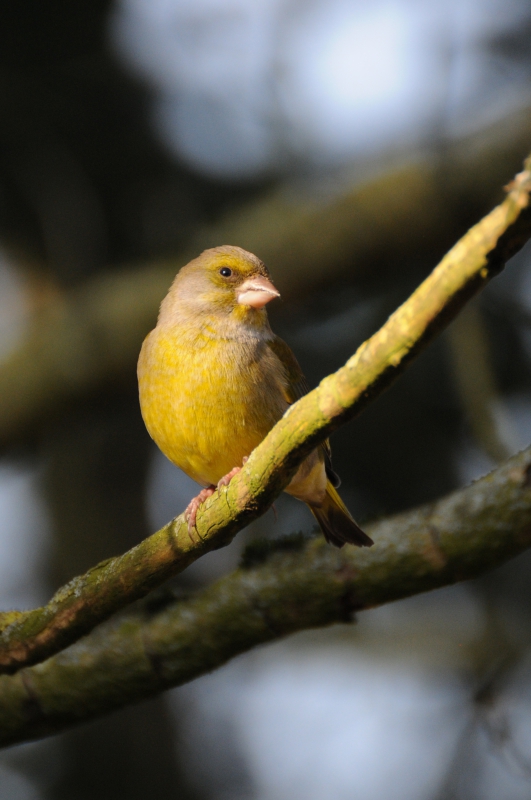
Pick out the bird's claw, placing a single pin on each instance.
(192, 508)
(226, 479)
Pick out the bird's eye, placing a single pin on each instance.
(226, 272)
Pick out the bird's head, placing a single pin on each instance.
(222, 282)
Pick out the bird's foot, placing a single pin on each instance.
(226, 479)
(192, 508)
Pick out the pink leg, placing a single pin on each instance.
(190, 512)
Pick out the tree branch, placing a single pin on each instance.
(476, 384)
(289, 586)
(89, 599)
(92, 335)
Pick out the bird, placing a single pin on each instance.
(214, 379)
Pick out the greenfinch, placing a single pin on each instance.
(214, 379)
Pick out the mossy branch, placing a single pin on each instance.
(289, 586)
(89, 599)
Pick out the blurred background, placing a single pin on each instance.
(349, 144)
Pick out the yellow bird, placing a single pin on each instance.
(214, 379)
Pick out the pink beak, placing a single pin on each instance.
(256, 292)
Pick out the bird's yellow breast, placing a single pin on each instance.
(208, 402)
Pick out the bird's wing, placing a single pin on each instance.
(297, 384)
(297, 387)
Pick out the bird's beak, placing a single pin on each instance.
(256, 292)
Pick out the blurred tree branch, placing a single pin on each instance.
(281, 587)
(91, 598)
(92, 335)
(476, 383)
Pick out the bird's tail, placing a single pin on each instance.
(336, 523)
